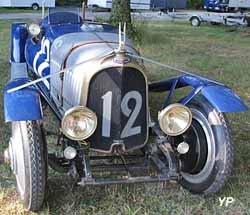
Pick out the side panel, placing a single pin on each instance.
(38, 58)
(21, 105)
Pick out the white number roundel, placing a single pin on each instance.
(129, 129)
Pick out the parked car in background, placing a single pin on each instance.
(34, 4)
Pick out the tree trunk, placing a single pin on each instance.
(121, 13)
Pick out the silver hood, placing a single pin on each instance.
(81, 51)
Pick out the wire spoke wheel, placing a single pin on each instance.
(28, 155)
(207, 165)
(199, 160)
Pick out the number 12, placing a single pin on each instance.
(128, 130)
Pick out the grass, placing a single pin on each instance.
(208, 50)
(17, 10)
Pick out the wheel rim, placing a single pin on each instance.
(18, 162)
(195, 22)
(35, 7)
(206, 158)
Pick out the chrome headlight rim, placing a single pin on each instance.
(89, 113)
(33, 26)
(163, 113)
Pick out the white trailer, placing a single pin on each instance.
(135, 4)
(34, 4)
(197, 18)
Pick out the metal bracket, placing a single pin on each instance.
(167, 150)
(86, 167)
(160, 165)
(169, 154)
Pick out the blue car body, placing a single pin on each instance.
(26, 103)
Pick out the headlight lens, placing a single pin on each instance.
(79, 123)
(34, 30)
(175, 119)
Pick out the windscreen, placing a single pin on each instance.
(69, 15)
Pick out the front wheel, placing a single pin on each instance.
(208, 163)
(28, 157)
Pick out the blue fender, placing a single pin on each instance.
(223, 99)
(23, 104)
(219, 95)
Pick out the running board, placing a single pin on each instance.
(129, 180)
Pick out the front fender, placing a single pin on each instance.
(223, 99)
(23, 104)
(219, 95)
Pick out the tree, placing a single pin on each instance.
(196, 4)
(121, 12)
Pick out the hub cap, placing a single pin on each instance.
(199, 161)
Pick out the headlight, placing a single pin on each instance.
(34, 30)
(79, 123)
(175, 119)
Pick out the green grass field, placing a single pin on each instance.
(214, 51)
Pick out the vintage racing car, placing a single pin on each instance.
(93, 80)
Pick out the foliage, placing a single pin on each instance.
(139, 31)
(121, 13)
(195, 4)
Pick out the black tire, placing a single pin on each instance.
(208, 164)
(35, 6)
(195, 21)
(28, 154)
